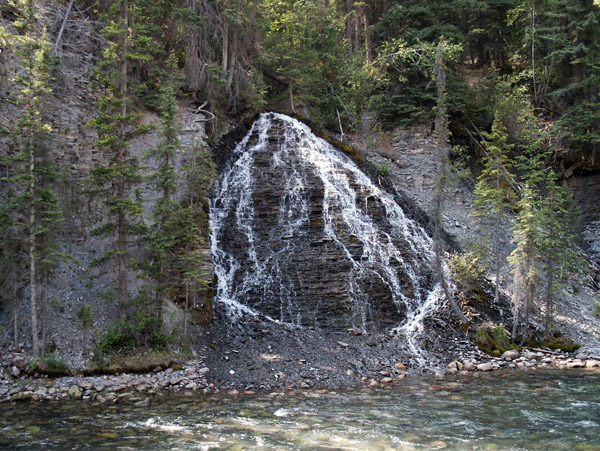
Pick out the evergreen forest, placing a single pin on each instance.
(510, 88)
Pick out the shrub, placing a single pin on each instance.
(142, 331)
(385, 169)
(493, 341)
(52, 362)
(467, 274)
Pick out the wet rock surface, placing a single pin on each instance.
(305, 237)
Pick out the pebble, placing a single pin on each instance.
(193, 377)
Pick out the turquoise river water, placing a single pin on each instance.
(534, 410)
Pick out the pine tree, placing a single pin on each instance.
(161, 236)
(49, 254)
(30, 175)
(561, 263)
(117, 124)
(544, 230)
(494, 187)
(525, 259)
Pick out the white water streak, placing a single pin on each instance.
(342, 182)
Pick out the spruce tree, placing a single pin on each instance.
(162, 235)
(525, 259)
(492, 192)
(117, 124)
(177, 235)
(30, 173)
(561, 263)
(544, 229)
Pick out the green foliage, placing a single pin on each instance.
(412, 95)
(496, 183)
(142, 331)
(85, 315)
(51, 362)
(552, 342)
(466, 271)
(129, 47)
(385, 168)
(303, 42)
(494, 341)
(560, 42)
(500, 337)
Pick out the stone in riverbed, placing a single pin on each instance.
(84, 385)
(592, 363)
(144, 403)
(485, 366)
(511, 354)
(455, 366)
(15, 372)
(468, 365)
(41, 391)
(387, 380)
(75, 392)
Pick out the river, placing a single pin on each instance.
(532, 410)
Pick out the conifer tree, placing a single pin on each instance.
(117, 124)
(30, 175)
(525, 259)
(560, 261)
(161, 236)
(544, 230)
(493, 189)
(177, 235)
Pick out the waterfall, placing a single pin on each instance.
(300, 235)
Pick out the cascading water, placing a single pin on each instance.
(300, 235)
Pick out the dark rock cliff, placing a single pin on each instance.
(289, 244)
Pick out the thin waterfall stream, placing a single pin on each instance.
(301, 236)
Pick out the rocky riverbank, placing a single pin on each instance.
(194, 377)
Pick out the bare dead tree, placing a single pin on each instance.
(441, 129)
(62, 27)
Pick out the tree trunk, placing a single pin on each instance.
(185, 312)
(442, 135)
(497, 248)
(516, 300)
(32, 258)
(367, 38)
(62, 27)
(533, 75)
(122, 225)
(528, 297)
(15, 315)
(549, 302)
(225, 49)
(44, 301)
(292, 98)
(356, 35)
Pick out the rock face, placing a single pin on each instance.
(71, 146)
(301, 235)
